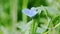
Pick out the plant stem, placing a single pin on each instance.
(57, 25)
(34, 27)
(25, 3)
(13, 8)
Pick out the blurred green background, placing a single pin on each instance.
(13, 21)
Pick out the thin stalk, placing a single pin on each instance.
(34, 27)
(57, 25)
(0, 13)
(13, 9)
(53, 29)
(25, 3)
(1, 10)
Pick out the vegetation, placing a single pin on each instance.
(29, 16)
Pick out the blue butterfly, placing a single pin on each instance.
(30, 12)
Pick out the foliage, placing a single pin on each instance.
(29, 16)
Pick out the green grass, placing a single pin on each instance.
(46, 22)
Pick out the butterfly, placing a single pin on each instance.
(30, 12)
